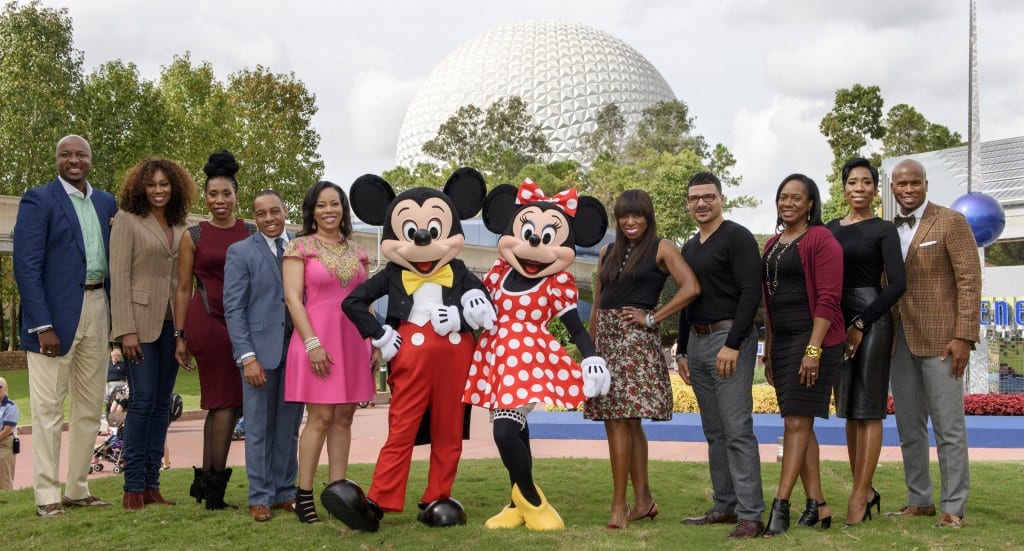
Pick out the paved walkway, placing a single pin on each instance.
(370, 430)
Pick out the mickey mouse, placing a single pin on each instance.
(518, 363)
(434, 303)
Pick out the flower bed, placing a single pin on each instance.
(684, 401)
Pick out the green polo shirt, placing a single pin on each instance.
(92, 233)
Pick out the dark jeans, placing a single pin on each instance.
(150, 384)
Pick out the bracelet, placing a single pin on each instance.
(249, 361)
(312, 344)
(179, 333)
(46, 330)
(813, 352)
(649, 320)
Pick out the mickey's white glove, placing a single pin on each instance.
(445, 319)
(596, 379)
(478, 311)
(388, 344)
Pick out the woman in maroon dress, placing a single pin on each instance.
(200, 328)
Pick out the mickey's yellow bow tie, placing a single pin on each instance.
(412, 281)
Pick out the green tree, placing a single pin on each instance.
(422, 175)
(199, 120)
(665, 127)
(909, 132)
(40, 71)
(273, 137)
(124, 118)
(608, 135)
(498, 141)
(552, 177)
(854, 121)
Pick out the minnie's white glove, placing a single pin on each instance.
(478, 311)
(388, 344)
(596, 378)
(445, 319)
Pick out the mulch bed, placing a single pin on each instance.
(11, 361)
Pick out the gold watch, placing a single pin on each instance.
(813, 352)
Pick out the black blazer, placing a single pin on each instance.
(388, 282)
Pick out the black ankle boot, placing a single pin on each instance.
(810, 515)
(216, 487)
(305, 506)
(198, 488)
(778, 519)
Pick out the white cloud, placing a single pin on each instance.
(376, 107)
(770, 144)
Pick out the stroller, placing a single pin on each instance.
(112, 449)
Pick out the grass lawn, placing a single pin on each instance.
(579, 488)
(17, 388)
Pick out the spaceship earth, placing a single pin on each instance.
(566, 73)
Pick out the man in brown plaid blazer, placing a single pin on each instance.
(936, 328)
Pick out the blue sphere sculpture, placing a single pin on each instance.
(984, 214)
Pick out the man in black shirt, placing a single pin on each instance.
(716, 351)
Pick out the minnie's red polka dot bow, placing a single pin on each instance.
(530, 192)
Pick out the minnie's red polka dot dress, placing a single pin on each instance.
(518, 361)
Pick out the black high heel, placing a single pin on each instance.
(810, 515)
(867, 511)
(876, 501)
(305, 506)
(778, 519)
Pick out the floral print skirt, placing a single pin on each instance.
(640, 384)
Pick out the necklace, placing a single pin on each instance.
(771, 263)
(625, 257)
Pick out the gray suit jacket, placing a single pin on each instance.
(254, 305)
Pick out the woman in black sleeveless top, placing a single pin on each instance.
(624, 327)
(871, 251)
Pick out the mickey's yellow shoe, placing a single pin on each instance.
(508, 517)
(542, 517)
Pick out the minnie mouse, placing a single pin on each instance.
(518, 363)
(434, 303)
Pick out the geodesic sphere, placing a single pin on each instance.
(984, 214)
(566, 73)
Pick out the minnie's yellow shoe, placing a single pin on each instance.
(508, 517)
(542, 517)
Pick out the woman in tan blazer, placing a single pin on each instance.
(144, 239)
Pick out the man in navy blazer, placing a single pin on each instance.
(61, 246)
(260, 328)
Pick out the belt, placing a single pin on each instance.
(93, 286)
(702, 329)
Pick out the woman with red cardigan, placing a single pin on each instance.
(803, 286)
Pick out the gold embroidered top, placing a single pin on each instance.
(345, 260)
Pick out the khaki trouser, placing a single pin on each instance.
(80, 374)
(7, 458)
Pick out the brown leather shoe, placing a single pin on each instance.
(50, 510)
(949, 520)
(152, 495)
(259, 513)
(87, 501)
(914, 511)
(747, 529)
(287, 505)
(132, 501)
(711, 517)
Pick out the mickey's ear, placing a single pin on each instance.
(466, 188)
(590, 223)
(370, 196)
(499, 207)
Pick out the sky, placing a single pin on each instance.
(758, 75)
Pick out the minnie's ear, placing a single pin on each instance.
(370, 196)
(499, 207)
(466, 188)
(590, 223)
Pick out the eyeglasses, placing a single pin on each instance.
(707, 197)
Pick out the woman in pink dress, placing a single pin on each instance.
(329, 363)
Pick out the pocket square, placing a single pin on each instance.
(926, 244)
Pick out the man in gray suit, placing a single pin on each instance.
(260, 328)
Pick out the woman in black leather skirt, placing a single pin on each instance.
(871, 257)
